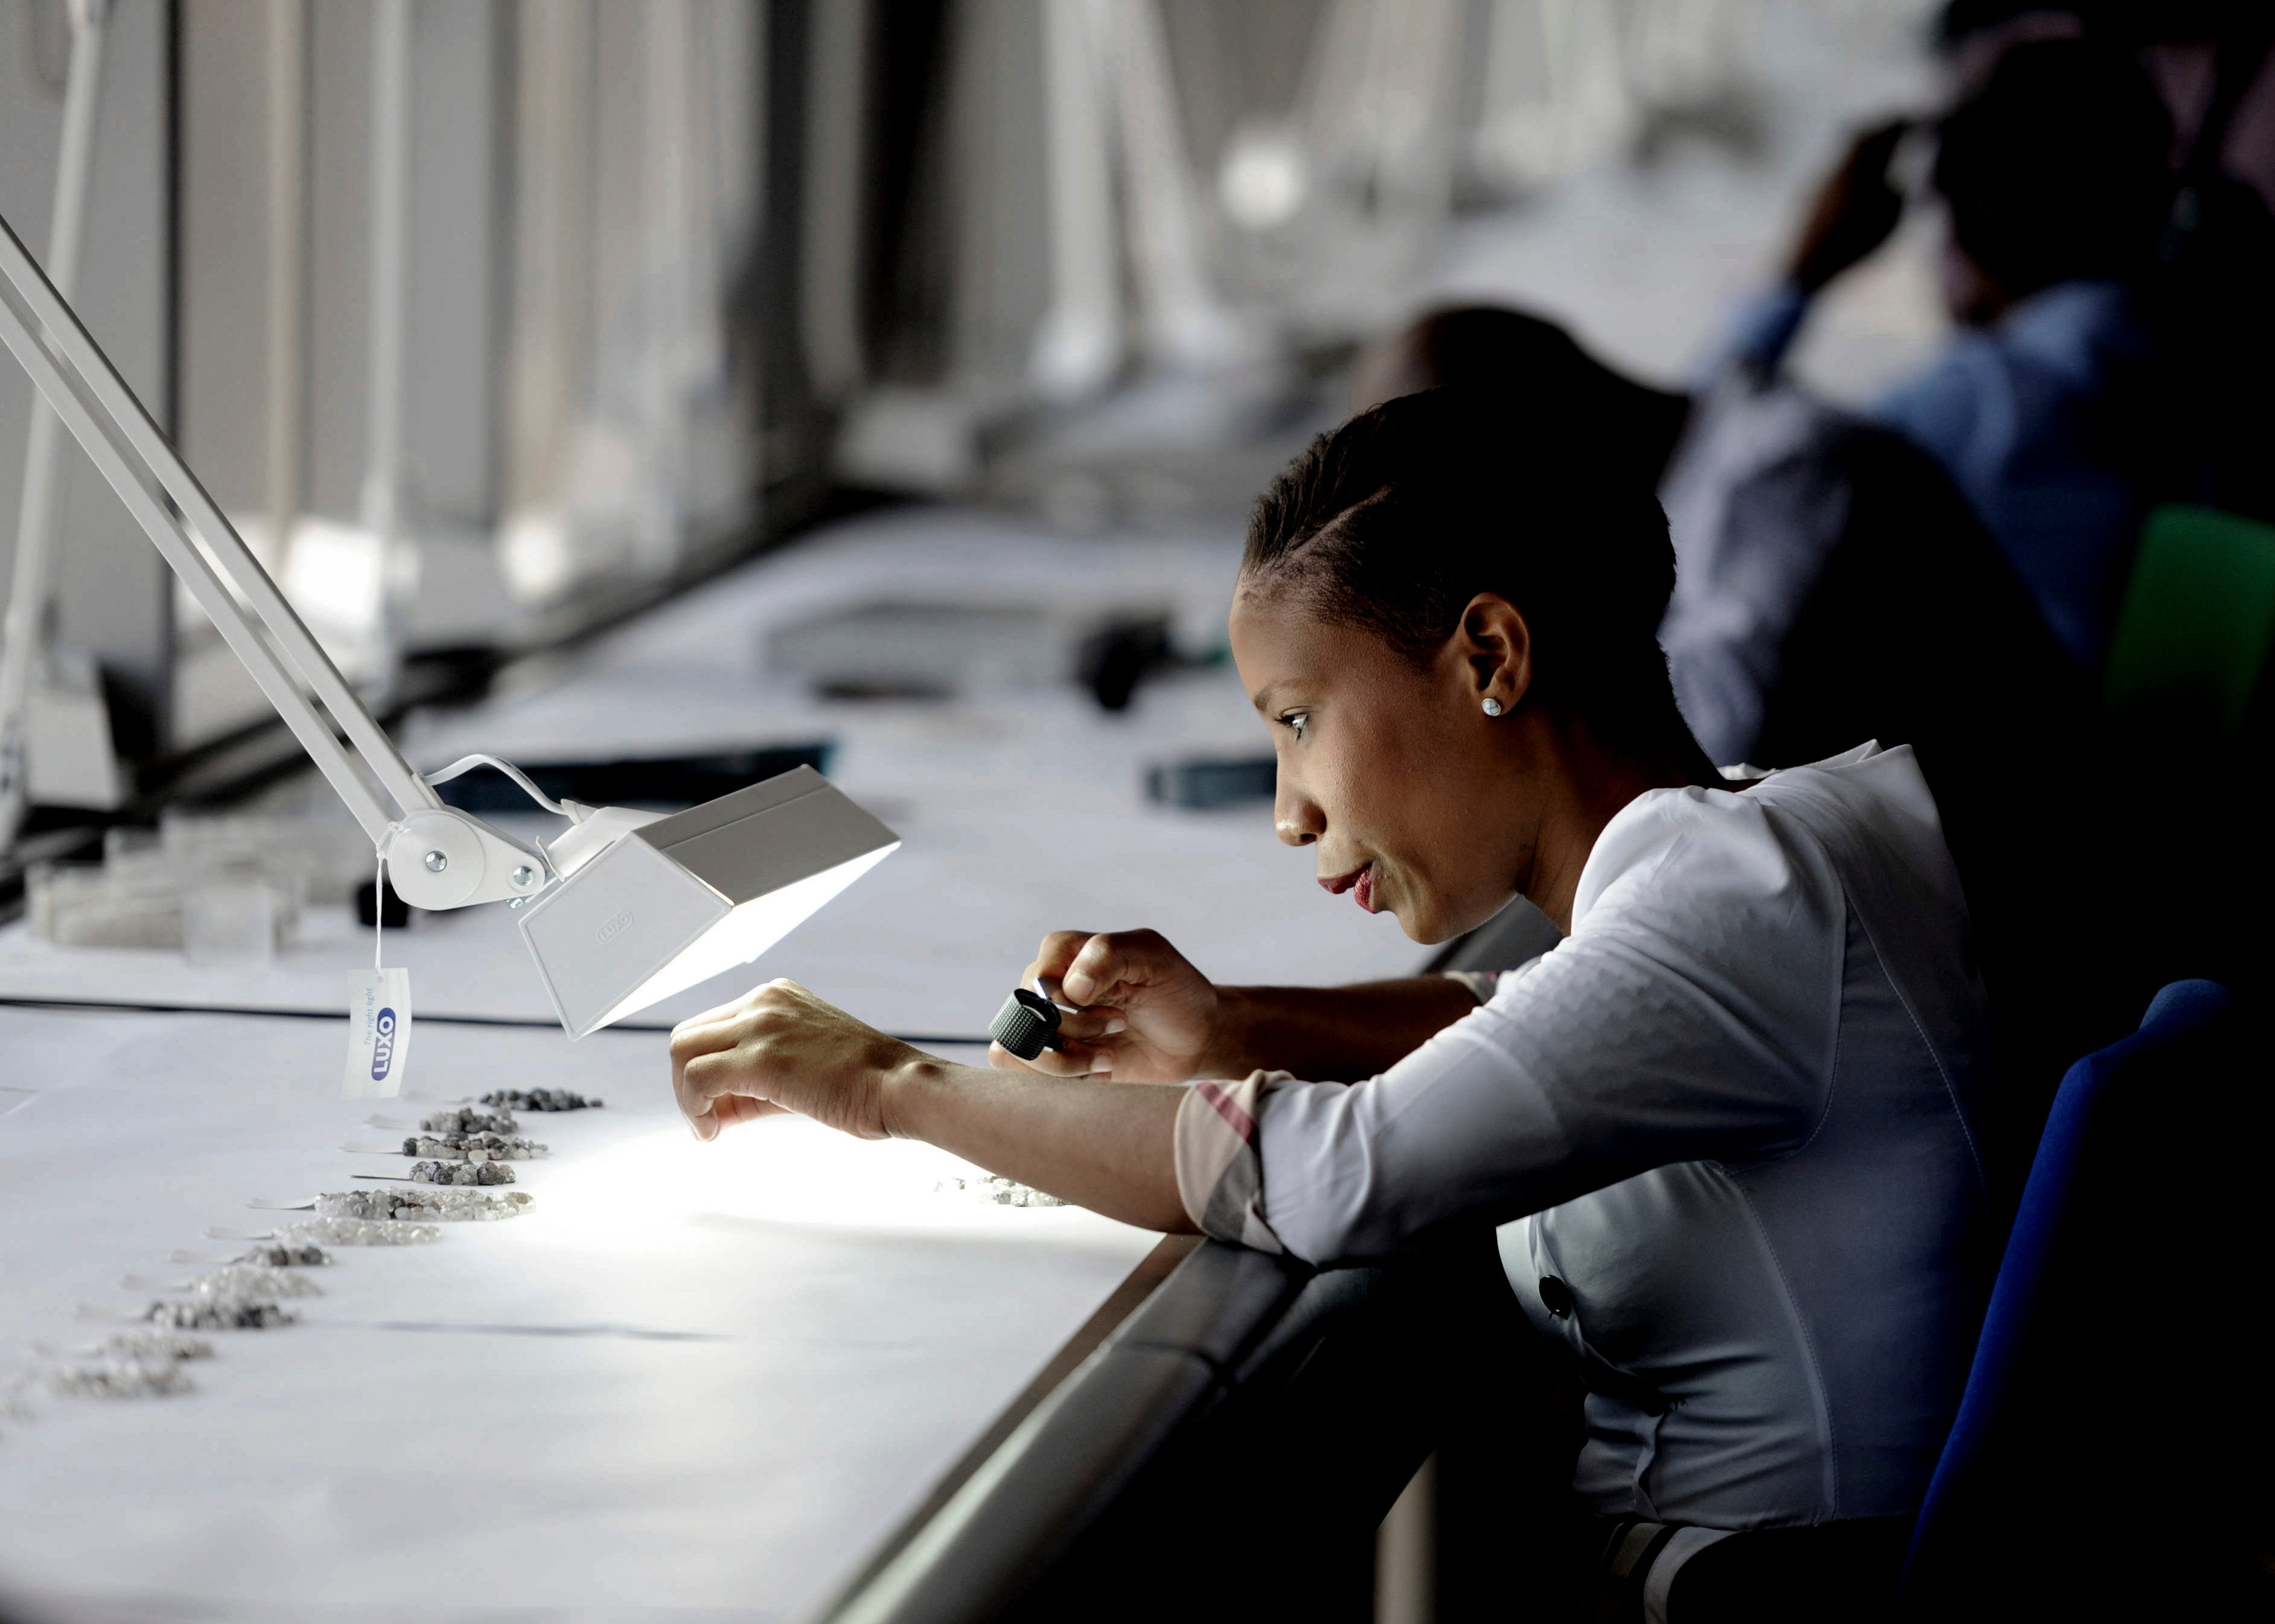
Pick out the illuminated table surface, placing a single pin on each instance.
(698, 1377)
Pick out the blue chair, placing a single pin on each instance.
(2098, 1464)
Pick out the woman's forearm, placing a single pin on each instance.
(1108, 1146)
(1330, 1034)
(1111, 1146)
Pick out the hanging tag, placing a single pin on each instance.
(379, 1034)
(379, 1013)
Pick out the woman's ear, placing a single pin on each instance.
(1496, 648)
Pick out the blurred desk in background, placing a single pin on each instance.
(1021, 811)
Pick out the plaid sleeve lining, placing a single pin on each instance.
(1220, 1165)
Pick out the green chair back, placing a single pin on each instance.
(2197, 625)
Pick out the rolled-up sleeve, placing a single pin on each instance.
(1691, 1016)
(1220, 1173)
(1481, 983)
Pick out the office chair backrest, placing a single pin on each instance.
(2088, 1467)
(2197, 627)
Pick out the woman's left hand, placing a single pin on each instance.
(780, 1049)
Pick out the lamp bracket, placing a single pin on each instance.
(443, 858)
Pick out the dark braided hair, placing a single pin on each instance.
(1395, 521)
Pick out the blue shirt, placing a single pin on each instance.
(2008, 411)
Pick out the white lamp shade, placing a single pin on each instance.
(687, 897)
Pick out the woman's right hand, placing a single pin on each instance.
(1143, 1014)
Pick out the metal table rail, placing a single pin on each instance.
(1028, 1492)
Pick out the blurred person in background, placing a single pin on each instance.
(2055, 174)
(1832, 587)
(1765, 487)
(2198, 431)
(2210, 299)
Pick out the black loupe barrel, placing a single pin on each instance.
(1026, 1025)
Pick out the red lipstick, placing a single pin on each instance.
(1359, 881)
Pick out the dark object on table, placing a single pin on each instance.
(899, 649)
(1026, 1025)
(1204, 782)
(1118, 656)
(674, 782)
(367, 905)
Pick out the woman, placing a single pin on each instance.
(1831, 585)
(1722, 1128)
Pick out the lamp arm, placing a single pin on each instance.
(441, 857)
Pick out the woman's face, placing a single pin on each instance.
(1415, 801)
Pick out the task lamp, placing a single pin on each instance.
(625, 908)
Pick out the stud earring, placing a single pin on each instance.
(1492, 707)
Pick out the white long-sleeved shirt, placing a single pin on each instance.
(1724, 1127)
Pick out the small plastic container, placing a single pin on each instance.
(81, 905)
(142, 901)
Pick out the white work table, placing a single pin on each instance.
(702, 1378)
(696, 1378)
